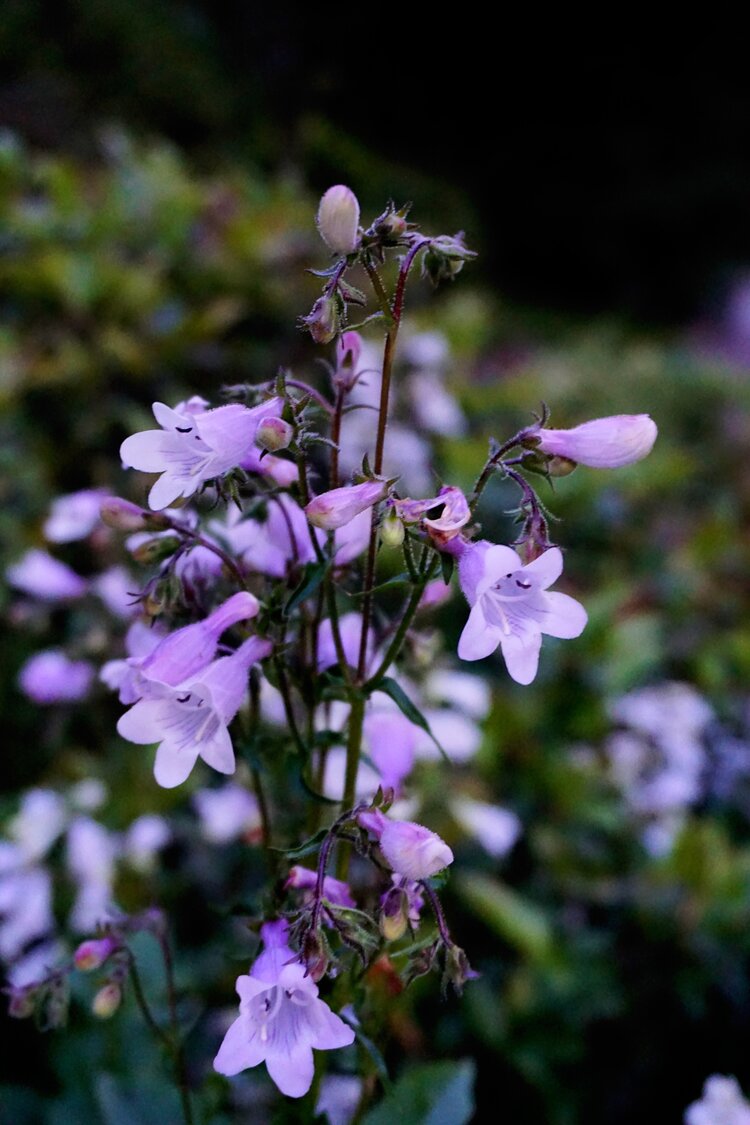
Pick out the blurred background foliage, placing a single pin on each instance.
(613, 979)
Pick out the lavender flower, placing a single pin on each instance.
(190, 720)
(603, 443)
(51, 677)
(338, 219)
(339, 506)
(722, 1103)
(74, 516)
(226, 813)
(191, 449)
(413, 850)
(510, 606)
(281, 1019)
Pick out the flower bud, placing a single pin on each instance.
(107, 1001)
(22, 1003)
(414, 851)
(315, 955)
(391, 225)
(339, 506)
(122, 515)
(348, 352)
(392, 530)
(155, 550)
(338, 219)
(324, 320)
(603, 443)
(92, 954)
(273, 434)
(445, 258)
(394, 914)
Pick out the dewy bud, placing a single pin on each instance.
(392, 531)
(323, 321)
(338, 219)
(414, 851)
(107, 1001)
(603, 443)
(394, 914)
(339, 506)
(273, 434)
(92, 954)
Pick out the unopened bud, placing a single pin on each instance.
(107, 1001)
(273, 434)
(323, 322)
(155, 550)
(413, 850)
(122, 515)
(22, 1003)
(394, 914)
(391, 225)
(339, 506)
(445, 258)
(338, 219)
(457, 968)
(602, 443)
(92, 954)
(315, 956)
(561, 466)
(392, 530)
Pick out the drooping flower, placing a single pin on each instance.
(52, 677)
(282, 1019)
(338, 219)
(40, 575)
(446, 524)
(510, 606)
(339, 506)
(603, 443)
(192, 448)
(190, 720)
(413, 851)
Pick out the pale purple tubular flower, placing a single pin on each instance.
(351, 540)
(391, 741)
(510, 606)
(455, 513)
(413, 850)
(268, 547)
(52, 677)
(338, 219)
(603, 443)
(192, 448)
(191, 720)
(184, 653)
(304, 879)
(281, 1020)
(281, 471)
(74, 516)
(338, 506)
(41, 576)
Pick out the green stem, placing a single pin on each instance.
(353, 751)
(399, 636)
(178, 1050)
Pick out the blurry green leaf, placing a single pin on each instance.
(307, 847)
(393, 689)
(435, 1094)
(311, 579)
(518, 921)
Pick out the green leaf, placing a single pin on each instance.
(519, 922)
(312, 577)
(434, 1094)
(447, 564)
(402, 579)
(307, 847)
(312, 791)
(390, 687)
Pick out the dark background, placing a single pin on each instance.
(606, 171)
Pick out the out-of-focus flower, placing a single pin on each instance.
(226, 813)
(144, 839)
(191, 449)
(496, 829)
(92, 954)
(38, 823)
(74, 516)
(603, 443)
(413, 850)
(350, 629)
(339, 506)
(281, 1020)
(722, 1103)
(52, 677)
(118, 590)
(107, 1000)
(91, 853)
(510, 606)
(338, 219)
(36, 573)
(190, 720)
(123, 676)
(339, 1097)
(25, 904)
